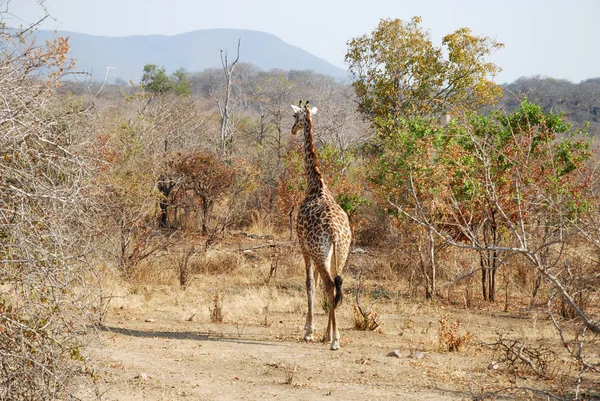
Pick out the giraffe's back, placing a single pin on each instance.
(320, 221)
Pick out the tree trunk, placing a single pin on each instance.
(483, 266)
(228, 71)
(488, 261)
(206, 208)
(432, 262)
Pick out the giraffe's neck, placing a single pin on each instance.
(314, 179)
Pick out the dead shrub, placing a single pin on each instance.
(374, 230)
(523, 358)
(290, 262)
(216, 312)
(217, 263)
(365, 320)
(288, 369)
(183, 266)
(449, 338)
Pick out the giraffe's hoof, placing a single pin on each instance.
(335, 345)
(309, 338)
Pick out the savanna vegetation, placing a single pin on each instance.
(463, 193)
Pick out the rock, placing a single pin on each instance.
(150, 321)
(395, 353)
(493, 365)
(419, 355)
(254, 236)
(358, 250)
(268, 237)
(416, 355)
(143, 376)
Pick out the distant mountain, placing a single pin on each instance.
(194, 51)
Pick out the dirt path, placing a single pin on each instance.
(171, 360)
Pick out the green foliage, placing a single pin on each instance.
(399, 72)
(180, 82)
(526, 164)
(156, 80)
(351, 202)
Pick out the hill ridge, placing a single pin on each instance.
(194, 51)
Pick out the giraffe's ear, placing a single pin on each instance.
(296, 108)
(313, 111)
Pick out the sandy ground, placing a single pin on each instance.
(159, 356)
(159, 343)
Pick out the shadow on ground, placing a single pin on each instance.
(182, 335)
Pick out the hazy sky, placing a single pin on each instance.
(555, 38)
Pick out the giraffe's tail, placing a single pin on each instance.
(338, 291)
(337, 280)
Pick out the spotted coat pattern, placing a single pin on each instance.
(323, 232)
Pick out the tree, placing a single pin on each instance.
(399, 72)
(180, 83)
(48, 294)
(522, 176)
(156, 80)
(207, 178)
(128, 175)
(224, 109)
(408, 175)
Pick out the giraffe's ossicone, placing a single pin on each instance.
(323, 232)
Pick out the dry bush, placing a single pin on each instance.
(375, 229)
(523, 358)
(216, 263)
(216, 312)
(183, 265)
(449, 338)
(289, 370)
(260, 223)
(289, 262)
(49, 294)
(365, 320)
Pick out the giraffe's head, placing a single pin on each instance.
(300, 116)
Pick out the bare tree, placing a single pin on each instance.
(224, 109)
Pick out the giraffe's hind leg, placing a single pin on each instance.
(309, 327)
(332, 334)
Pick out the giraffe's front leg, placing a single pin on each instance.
(309, 328)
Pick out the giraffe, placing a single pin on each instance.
(323, 232)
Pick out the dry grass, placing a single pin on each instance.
(230, 289)
(449, 337)
(260, 224)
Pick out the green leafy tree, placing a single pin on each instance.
(398, 71)
(156, 80)
(180, 82)
(499, 185)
